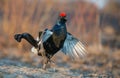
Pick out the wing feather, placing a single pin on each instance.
(47, 33)
(73, 47)
(70, 50)
(79, 50)
(74, 50)
(82, 48)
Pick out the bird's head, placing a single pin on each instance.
(62, 17)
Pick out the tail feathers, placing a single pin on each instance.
(18, 37)
(27, 37)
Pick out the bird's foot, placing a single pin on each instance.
(42, 70)
(44, 66)
(52, 70)
(51, 61)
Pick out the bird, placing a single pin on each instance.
(51, 41)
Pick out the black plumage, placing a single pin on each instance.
(51, 41)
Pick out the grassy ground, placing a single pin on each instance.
(97, 64)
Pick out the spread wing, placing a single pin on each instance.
(73, 47)
(46, 35)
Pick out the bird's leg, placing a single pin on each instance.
(45, 62)
(51, 61)
(41, 49)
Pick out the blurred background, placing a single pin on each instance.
(95, 23)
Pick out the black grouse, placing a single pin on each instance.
(51, 41)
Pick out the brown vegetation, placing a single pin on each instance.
(32, 16)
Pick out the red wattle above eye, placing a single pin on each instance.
(62, 14)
